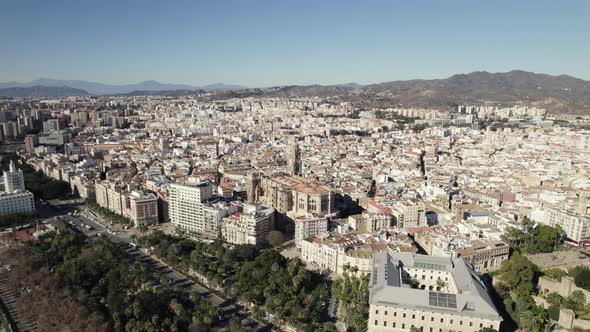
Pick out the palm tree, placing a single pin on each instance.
(527, 321)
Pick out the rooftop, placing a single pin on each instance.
(389, 288)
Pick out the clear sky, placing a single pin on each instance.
(275, 42)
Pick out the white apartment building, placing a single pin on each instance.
(249, 227)
(114, 199)
(214, 214)
(13, 179)
(18, 202)
(15, 199)
(340, 253)
(575, 225)
(409, 214)
(309, 226)
(102, 196)
(461, 304)
(186, 205)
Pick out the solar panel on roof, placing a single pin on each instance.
(443, 300)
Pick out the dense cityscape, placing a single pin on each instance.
(272, 213)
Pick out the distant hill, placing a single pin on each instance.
(221, 87)
(556, 93)
(42, 91)
(95, 88)
(171, 93)
(562, 94)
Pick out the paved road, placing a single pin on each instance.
(91, 226)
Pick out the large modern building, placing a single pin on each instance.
(431, 294)
(186, 205)
(13, 179)
(575, 225)
(15, 199)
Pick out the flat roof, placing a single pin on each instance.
(388, 288)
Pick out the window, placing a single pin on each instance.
(376, 322)
(432, 319)
(394, 314)
(376, 312)
(413, 316)
(404, 315)
(451, 321)
(384, 323)
(403, 326)
(393, 325)
(422, 317)
(442, 320)
(460, 322)
(385, 312)
(470, 323)
(480, 325)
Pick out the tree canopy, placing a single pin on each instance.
(263, 278)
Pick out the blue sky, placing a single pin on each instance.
(264, 43)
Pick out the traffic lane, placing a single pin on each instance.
(179, 279)
(170, 273)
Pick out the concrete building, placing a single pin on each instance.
(102, 196)
(409, 214)
(461, 304)
(213, 214)
(19, 202)
(114, 199)
(248, 227)
(186, 205)
(484, 256)
(31, 141)
(140, 208)
(51, 126)
(575, 225)
(307, 226)
(15, 199)
(54, 138)
(13, 179)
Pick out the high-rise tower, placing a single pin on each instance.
(252, 185)
(293, 158)
(13, 179)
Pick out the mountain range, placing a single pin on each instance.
(559, 94)
(41, 91)
(95, 88)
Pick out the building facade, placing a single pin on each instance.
(186, 205)
(248, 227)
(462, 303)
(15, 199)
(140, 208)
